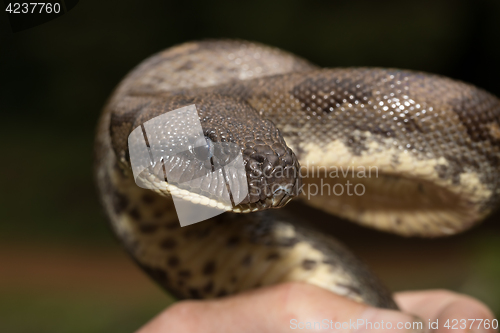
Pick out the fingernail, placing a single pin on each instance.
(379, 320)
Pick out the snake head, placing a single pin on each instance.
(215, 148)
(272, 169)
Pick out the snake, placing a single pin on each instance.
(432, 142)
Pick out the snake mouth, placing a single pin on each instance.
(273, 191)
(282, 195)
(275, 202)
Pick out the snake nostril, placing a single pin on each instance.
(259, 157)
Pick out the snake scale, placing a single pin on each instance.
(434, 143)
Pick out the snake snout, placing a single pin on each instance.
(273, 176)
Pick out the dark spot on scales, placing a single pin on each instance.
(308, 264)
(209, 268)
(172, 225)
(442, 171)
(195, 293)
(272, 256)
(232, 241)
(120, 202)
(156, 273)
(209, 287)
(455, 168)
(204, 232)
(159, 213)
(184, 274)
(148, 228)
(356, 143)
(221, 293)
(168, 244)
(134, 213)
(173, 261)
(148, 198)
(247, 260)
(233, 279)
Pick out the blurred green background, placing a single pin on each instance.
(61, 269)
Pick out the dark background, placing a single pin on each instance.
(61, 269)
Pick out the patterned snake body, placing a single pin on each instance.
(424, 149)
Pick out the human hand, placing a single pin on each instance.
(291, 306)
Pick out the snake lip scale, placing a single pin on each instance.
(434, 142)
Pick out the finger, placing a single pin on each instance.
(277, 309)
(447, 307)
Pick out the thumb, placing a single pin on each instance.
(281, 308)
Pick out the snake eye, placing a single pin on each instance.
(203, 148)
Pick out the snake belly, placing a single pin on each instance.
(431, 145)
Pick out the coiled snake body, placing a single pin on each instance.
(431, 142)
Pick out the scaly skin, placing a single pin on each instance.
(434, 144)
